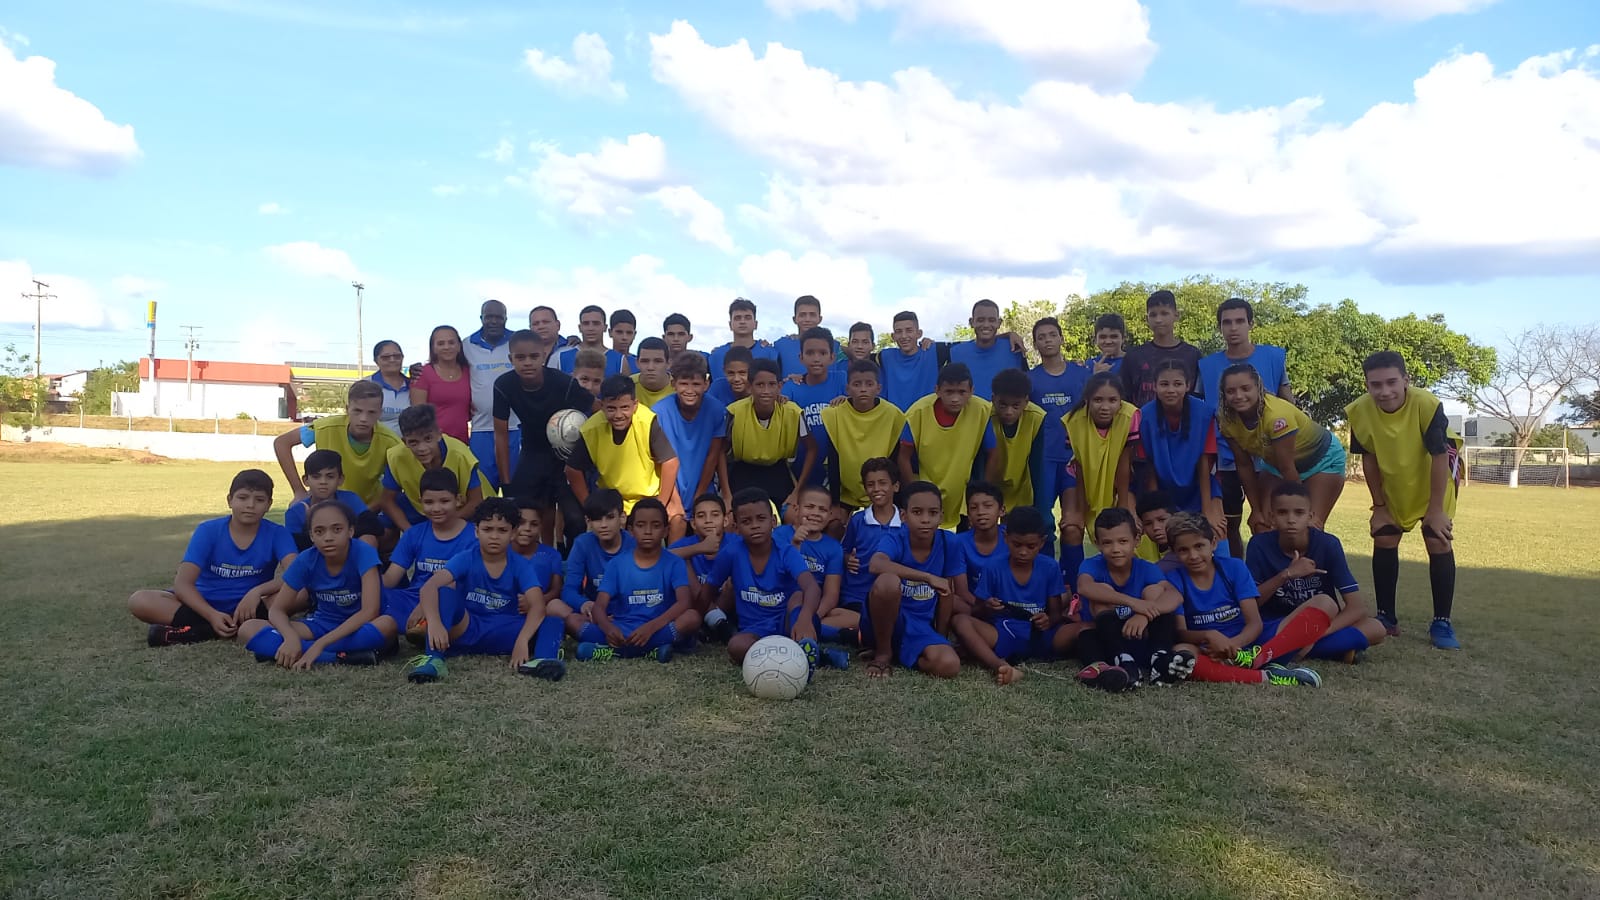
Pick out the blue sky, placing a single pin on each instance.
(240, 161)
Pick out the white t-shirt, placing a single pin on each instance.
(485, 364)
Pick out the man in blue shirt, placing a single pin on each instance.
(742, 322)
(807, 315)
(986, 354)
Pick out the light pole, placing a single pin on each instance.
(192, 344)
(361, 359)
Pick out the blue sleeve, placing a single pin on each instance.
(308, 437)
(526, 574)
(1176, 580)
(793, 561)
(299, 572)
(852, 535)
(677, 572)
(1257, 561)
(294, 518)
(1052, 575)
(388, 480)
(1095, 568)
(988, 439)
(283, 543)
(354, 501)
(1239, 578)
(461, 564)
(472, 480)
(906, 436)
(201, 545)
(984, 588)
(577, 566)
(1147, 573)
(721, 567)
(832, 559)
(719, 422)
(955, 561)
(364, 555)
(1337, 567)
(611, 579)
(405, 551)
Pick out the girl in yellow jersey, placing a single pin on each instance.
(1285, 443)
(1101, 429)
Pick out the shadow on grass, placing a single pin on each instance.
(193, 770)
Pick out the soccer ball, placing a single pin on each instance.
(564, 431)
(776, 669)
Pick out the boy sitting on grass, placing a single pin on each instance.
(526, 544)
(642, 608)
(1133, 610)
(1020, 607)
(863, 533)
(226, 573)
(427, 449)
(472, 605)
(591, 553)
(699, 551)
(426, 549)
(823, 555)
(918, 570)
(325, 481)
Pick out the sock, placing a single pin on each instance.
(265, 643)
(1071, 559)
(1442, 579)
(547, 640)
(451, 607)
(1300, 631)
(828, 633)
(1339, 643)
(715, 617)
(1208, 669)
(367, 637)
(1386, 577)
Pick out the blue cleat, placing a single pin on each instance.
(588, 651)
(661, 654)
(836, 658)
(1443, 635)
(1391, 625)
(425, 669)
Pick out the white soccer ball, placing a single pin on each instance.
(564, 430)
(776, 669)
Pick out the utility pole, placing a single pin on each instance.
(192, 344)
(361, 344)
(38, 297)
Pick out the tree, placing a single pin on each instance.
(101, 383)
(19, 390)
(1585, 411)
(323, 397)
(1549, 437)
(1536, 369)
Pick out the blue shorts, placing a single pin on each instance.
(1332, 462)
(482, 446)
(400, 604)
(912, 635)
(321, 625)
(1017, 639)
(767, 626)
(488, 635)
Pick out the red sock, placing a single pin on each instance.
(1301, 631)
(1208, 669)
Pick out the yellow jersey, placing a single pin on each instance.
(945, 454)
(626, 467)
(858, 437)
(1016, 480)
(363, 469)
(1398, 440)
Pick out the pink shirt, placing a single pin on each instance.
(451, 399)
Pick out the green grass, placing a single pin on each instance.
(193, 771)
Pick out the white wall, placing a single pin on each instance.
(176, 445)
(209, 401)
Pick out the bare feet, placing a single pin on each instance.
(1007, 675)
(879, 667)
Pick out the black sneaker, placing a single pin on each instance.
(357, 658)
(167, 635)
(720, 632)
(548, 669)
(1171, 666)
(850, 637)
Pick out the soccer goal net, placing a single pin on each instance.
(1498, 465)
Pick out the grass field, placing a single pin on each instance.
(193, 771)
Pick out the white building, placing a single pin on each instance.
(209, 390)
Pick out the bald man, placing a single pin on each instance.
(488, 352)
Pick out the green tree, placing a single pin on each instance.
(122, 377)
(323, 397)
(1585, 411)
(1549, 437)
(19, 390)
(1540, 365)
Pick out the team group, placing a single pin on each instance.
(900, 502)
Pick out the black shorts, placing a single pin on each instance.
(1232, 492)
(538, 478)
(775, 479)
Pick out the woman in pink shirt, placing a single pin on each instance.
(444, 383)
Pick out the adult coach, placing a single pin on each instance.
(544, 322)
(488, 355)
(986, 355)
(1409, 457)
(533, 392)
(1235, 318)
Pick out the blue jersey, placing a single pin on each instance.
(763, 597)
(1270, 363)
(907, 379)
(717, 356)
(1174, 453)
(614, 363)
(639, 595)
(1144, 574)
(824, 556)
(997, 581)
(862, 536)
(586, 564)
(1266, 558)
(486, 595)
(1217, 607)
(812, 400)
(987, 362)
(228, 572)
(691, 440)
(722, 393)
(974, 560)
(699, 566)
(1055, 394)
(547, 563)
(334, 597)
(919, 601)
(422, 552)
(294, 518)
(788, 350)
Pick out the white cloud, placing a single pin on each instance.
(844, 285)
(588, 73)
(76, 304)
(137, 287)
(311, 259)
(272, 208)
(705, 220)
(944, 301)
(1405, 10)
(501, 152)
(1481, 174)
(600, 184)
(1103, 42)
(43, 124)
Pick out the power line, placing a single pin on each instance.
(38, 297)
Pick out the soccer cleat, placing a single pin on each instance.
(1292, 675)
(1171, 666)
(1391, 625)
(425, 669)
(417, 635)
(357, 658)
(850, 637)
(1443, 635)
(168, 635)
(661, 654)
(589, 651)
(1104, 676)
(1353, 657)
(836, 657)
(1246, 658)
(548, 669)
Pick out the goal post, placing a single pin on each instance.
(1541, 466)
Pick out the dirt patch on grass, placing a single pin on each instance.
(11, 451)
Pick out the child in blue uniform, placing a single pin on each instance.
(708, 518)
(482, 615)
(1021, 606)
(340, 578)
(1132, 607)
(586, 563)
(919, 570)
(545, 558)
(226, 573)
(643, 605)
(816, 390)
(1178, 442)
(426, 548)
(1220, 619)
(325, 481)
(985, 543)
(824, 557)
(863, 533)
(773, 588)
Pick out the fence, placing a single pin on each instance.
(172, 444)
